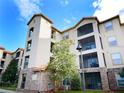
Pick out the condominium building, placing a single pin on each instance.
(18, 56)
(102, 51)
(6, 57)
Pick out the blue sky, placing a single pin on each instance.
(14, 15)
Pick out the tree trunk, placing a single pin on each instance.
(56, 84)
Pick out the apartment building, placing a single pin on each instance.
(18, 56)
(6, 57)
(102, 43)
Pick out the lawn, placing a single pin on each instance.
(88, 91)
(8, 88)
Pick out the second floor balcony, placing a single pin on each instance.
(88, 43)
(89, 61)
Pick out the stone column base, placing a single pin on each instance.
(104, 79)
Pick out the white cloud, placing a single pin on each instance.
(107, 8)
(64, 2)
(28, 7)
(67, 21)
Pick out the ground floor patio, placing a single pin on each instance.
(95, 79)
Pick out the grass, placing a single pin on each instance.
(8, 88)
(88, 91)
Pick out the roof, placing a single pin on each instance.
(55, 29)
(84, 18)
(114, 17)
(41, 16)
(18, 49)
(8, 52)
(2, 48)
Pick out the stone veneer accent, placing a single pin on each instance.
(32, 86)
(104, 79)
(112, 78)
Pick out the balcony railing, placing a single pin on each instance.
(91, 63)
(88, 46)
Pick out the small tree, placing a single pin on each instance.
(75, 82)
(11, 73)
(62, 65)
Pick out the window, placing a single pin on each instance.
(26, 62)
(89, 60)
(2, 64)
(4, 55)
(29, 45)
(31, 32)
(34, 76)
(88, 43)
(66, 35)
(116, 57)
(101, 42)
(108, 26)
(120, 80)
(85, 29)
(104, 58)
(23, 81)
(17, 54)
(53, 36)
(112, 41)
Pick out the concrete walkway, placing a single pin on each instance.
(7, 91)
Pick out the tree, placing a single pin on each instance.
(11, 73)
(62, 64)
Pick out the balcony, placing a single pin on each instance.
(89, 60)
(85, 29)
(17, 54)
(4, 55)
(0, 71)
(88, 43)
(2, 64)
(93, 80)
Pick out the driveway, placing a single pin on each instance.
(7, 91)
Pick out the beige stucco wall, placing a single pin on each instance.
(41, 38)
(117, 32)
(73, 36)
(6, 60)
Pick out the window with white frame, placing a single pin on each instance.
(108, 26)
(29, 45)
(116, 58)
(119, 80)
(112, 41)
(31, 32)
(26, 62)
(66, 35)
(34, 76)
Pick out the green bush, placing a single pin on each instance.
(75, 83)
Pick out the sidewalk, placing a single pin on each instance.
(7, 91)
